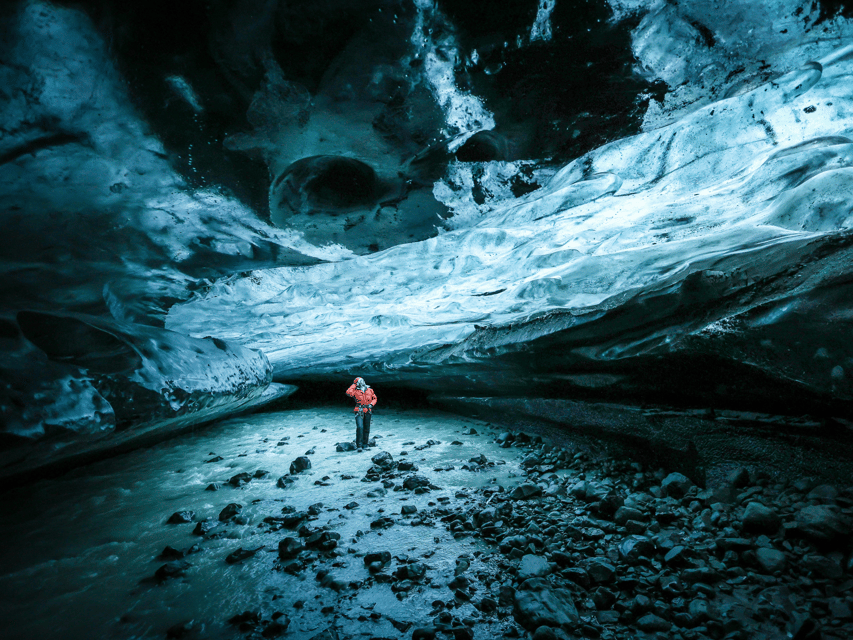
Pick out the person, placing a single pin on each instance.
(365, 400)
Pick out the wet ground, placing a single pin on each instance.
(80, 551)
(473, 533)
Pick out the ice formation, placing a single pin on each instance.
(426, 193)
(710, 237)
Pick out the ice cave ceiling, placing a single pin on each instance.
(642, 202)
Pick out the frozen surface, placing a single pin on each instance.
(80, 564)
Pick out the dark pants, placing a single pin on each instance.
(362, 429)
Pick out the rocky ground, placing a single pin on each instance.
(270, 526)
(576, 547)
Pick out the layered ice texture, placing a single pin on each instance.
(703, 261)
(708, 252)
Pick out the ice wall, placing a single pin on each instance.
(705, 258)
(647, 202)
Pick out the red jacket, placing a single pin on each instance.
(362, 398)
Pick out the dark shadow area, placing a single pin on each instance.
(327, 393)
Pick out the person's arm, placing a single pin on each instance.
(351, 390)
(373, 402)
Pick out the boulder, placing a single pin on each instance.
(415, 482)
(822, 566)
(284, 481)
(599, 570)
(174, 569)
(181, 517)
(676, 485)
(624, 514)
(240, 479)
(821, 524)
(537, 603)
(636, 548)
(760, 519)
(650, 623)
(526, 491)
(770, 560)
(345, 446)
(301, 463)
(383, 460)
(531, 460)
(533, 567)
(289, 548)
(230, 511)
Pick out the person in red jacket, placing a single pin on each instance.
(365, 400)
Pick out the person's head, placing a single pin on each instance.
(360, 383)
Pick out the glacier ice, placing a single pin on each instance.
(408, 199)
(638, 250)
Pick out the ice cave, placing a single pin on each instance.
(426, 319)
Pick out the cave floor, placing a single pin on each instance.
(80, 551)
(503, 535)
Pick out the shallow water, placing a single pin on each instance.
(78, 549)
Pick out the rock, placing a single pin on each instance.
(636, 548)
(650, 623)
(383, 459)
(205, 526)
(383, 557)
(181, 517)
(213, 486)
(345, 446)
(406, 465)
(322, 540)
(526, 491)
(241, 554)
(381, 523)
(260, 473)
(480, 460)
(531, 460)
(302, 463)
(415, 482)
(174, 569)
(487, 605)
(276, 628)
(600, 571)
(821, 524)
(700, 611)
(240, 479)
(408, 509)
(823, 493)
(415, 570)
(738, 477)
(289, 548)
(230, 511)
(701, 574)
(284, 481)
(676, 485)
(537, 603)
(624, 514)
(379, 492)
(771, 560)
(246, 620)
(760, 519)
(822, 566)
(332, 581)
(533, 567)
(544, 633)
(424, 633)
